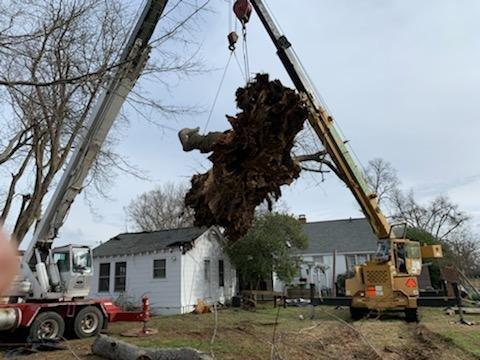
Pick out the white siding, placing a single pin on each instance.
(184, 284)
(340, 268)
(321, 281)
(194, 286)
(164, 294)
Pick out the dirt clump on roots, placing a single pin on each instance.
(252, 160)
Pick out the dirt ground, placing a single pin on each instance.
(329, 335)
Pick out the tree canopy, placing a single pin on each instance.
(271, 245)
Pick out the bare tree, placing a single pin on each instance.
(383, 179)
(54, 59)
(440, 217)
(464, 252)
(161, 208)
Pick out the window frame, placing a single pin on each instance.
(117, 287)
(207, 270)
(159, 268)
(356, 260)
(103, 277)
(221, 273)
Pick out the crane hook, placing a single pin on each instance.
(232, 40)
(243, 10)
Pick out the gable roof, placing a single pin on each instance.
(134, 243)
(345, 236)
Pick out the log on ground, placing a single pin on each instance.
(251, 161)
(111, 348)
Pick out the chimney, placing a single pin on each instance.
(302, 218)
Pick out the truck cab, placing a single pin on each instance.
(74, 264)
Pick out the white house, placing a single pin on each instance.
(352, 240)
(174, 268)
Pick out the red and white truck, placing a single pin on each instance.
(50, 293)
(50, 319)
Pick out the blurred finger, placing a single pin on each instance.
(8, 262)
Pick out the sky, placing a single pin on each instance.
(401, 78)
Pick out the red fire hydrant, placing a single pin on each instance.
(145, 313)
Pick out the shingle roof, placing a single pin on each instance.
(345, 236)
(134, 243)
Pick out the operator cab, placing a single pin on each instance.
(73, 258)
(74, 263)
(405, 254)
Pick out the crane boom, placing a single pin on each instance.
(90, 140)
(324, 126)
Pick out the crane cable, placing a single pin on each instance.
(225, 70)
(245, 51)
(219, 89)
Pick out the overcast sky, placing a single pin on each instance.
(402, 79)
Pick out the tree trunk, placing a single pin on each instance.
(110, 348)
(192, 140)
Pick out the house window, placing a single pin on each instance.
(104, 278)
(159, 269)
(350, 260)
(362, 259)
(353, 260)
(206, 270)
(221, 273)
(120, 276)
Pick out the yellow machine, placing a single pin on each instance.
(390, 279)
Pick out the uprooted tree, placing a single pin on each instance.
(252, 160)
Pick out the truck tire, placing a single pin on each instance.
(411, 315)
(357, 313)
(47, 325)
(88, 322)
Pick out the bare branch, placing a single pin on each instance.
(52, 75)
(161, 208)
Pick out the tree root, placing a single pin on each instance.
(251, 161)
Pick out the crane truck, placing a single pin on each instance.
(52, 288)
(390, 279)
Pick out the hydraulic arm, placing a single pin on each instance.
(324, 126)
(389, 280)
(130, 66)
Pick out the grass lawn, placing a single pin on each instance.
(329, 335)
(462, 336)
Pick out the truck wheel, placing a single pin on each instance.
(88, 322)
(411, 315)
(357, 313)
(47, 325)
